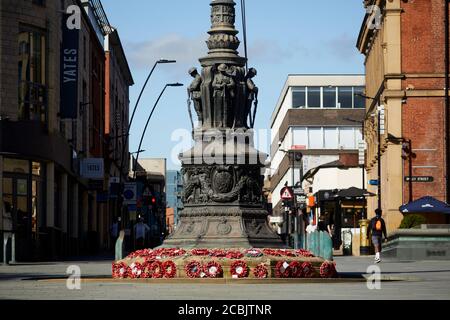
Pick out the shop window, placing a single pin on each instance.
(32, 76)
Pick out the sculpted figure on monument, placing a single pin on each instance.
(195, 93)
(223, 86)
(252, 96)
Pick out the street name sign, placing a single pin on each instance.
(419, 179)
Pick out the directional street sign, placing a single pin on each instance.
(298, 191)
(286, 193)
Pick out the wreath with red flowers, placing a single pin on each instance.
(253, 253)
(239, 269)
(136, 270)
(328, 270)
(119, 270)
(295, 269)
(307, 270)
(200, 252)
(213, 269)
(193, 269)
(156, 269)
(218, 253)
(282, 269)
(234, 254)
(260, 271)
(170, 269)
(304, 253)
(272, 252)
(287, 253)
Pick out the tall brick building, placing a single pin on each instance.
(56, 146)
(404, 45)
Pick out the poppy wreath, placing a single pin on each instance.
(234, 254)
(119, 270)
(287, 253)
(260, 271)
(170, 269)
(156, 269)
(328, 270)
(239, 269)
(145, 268)
(200, 252)
(193, 269)
(295, 269)
(281, 271)
(253, 253)
(136, 270)
(218, 253)
(272, 252)
(307, 270)
(304, 253)
(213, 269)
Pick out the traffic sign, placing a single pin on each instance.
(301, 199)
(286, 193)
(298, 191)
(129, 193)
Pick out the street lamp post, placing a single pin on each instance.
(148, 120)
(127, 135)
(294, 156)
(161, 61)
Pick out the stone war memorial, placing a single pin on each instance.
(223, 230)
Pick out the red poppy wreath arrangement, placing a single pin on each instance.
(167, 263)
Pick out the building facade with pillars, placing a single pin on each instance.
(52, 121)
(404, 46)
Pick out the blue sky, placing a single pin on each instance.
(284, 37)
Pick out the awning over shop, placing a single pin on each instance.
(426, 205)
(353, 193)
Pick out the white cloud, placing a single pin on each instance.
(185, 50)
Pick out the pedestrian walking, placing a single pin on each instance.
(140, 231)
(377, 227)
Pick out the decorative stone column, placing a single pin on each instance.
(223, 172)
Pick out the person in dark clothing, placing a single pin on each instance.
(377, 227)
(324, 224)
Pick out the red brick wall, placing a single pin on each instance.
(422, 46)
(422, 36)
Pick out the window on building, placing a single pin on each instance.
(32, 75)
(330, 138)
(314, 97)
(345, 97)
(360, 102)
(300, 137)
(299, 97)
(315, 138)
(347, 138)
(329, 97)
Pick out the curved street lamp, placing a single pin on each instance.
(160, 61)
(148, 120)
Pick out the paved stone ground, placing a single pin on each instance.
(413, 280)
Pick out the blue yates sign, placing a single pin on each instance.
(69, 71)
